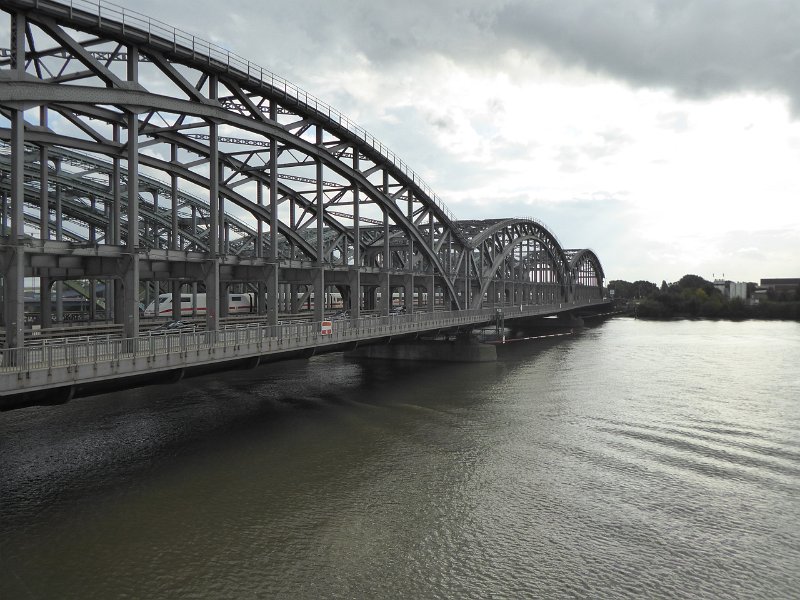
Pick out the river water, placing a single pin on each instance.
(633, 459)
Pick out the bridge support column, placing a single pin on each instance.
(176, 300)
(14, 297)
(270, 287)
(370, 302)
(212, 294)
(408, 293)
(224, 304)
(14, 273)
(354, 281)
(45, 283)
(92, 300)
(59, 285)
(130, 297)
(385, 304)
(319, 294)
(118, 299)
(431, 292)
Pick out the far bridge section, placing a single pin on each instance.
(138, 161)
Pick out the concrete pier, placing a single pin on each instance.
(439, 351)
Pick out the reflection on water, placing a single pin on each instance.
(634, 459)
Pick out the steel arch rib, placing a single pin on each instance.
(101, 192)
(121, 94)
(188, 175)
(32, 93)
(587, 254)
(509, 224)
(500, 259)
(518, 230)
(161, 165)
(239, 110)
(582, 257)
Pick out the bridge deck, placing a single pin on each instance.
(57, 363)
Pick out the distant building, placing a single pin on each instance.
(781, 285)
(731, 289)
(779, 289)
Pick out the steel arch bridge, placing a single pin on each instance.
(138, 155)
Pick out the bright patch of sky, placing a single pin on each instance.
(663, 135)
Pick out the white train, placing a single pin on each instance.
(237, 304)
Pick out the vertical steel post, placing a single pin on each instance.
(173, 190)
(44, 184)
(354, 275)
(14, 276)
(46, 307)
(114, 293)
(273, 273)
(386, 286)
(432, 276)
(386, 256)
(174, 241)
(408, 281)
(319, 276)
(212, 271)
(466, 254)
(131, 273)
(261, 284)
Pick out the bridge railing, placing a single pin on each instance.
(111, 16)
(250, 338)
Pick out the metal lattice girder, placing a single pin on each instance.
(268, 172)
(585, 268)
(302, 142)
(91, 181)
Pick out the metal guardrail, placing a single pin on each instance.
(110, 15)
(256, 338)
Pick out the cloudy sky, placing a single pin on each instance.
(663, 134)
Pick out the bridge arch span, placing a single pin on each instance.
(586, 274)
(266, 184)
(523, 251)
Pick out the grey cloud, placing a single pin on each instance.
(697, 47)
(443, 123)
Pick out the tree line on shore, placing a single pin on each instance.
(693, 296)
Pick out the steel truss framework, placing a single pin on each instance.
(230, 175)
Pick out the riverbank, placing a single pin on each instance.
(657, 308)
